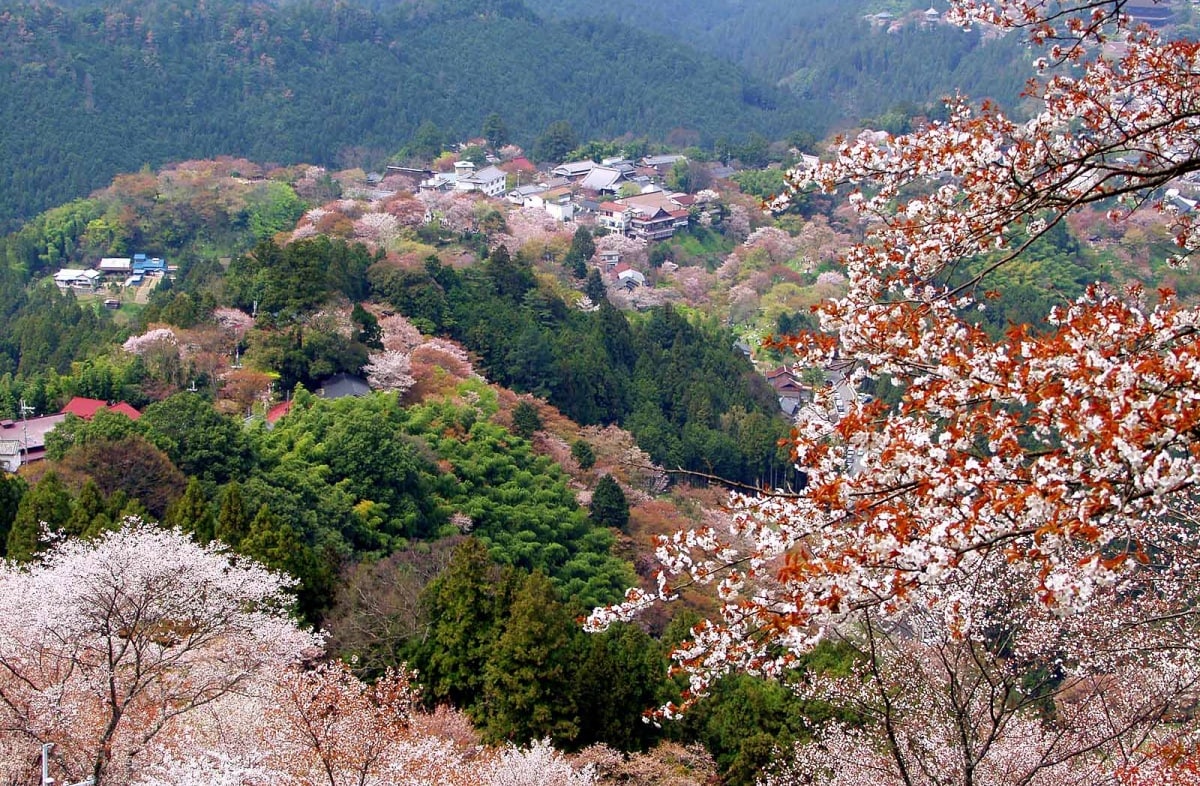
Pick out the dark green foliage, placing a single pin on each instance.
(463, 607)
(583, 454)
(609, 508)
(233, 520)
(622, 673)
(583, 244)
(526, 420)
(689, 400)
(594, 287)
(495, 131)
(12, 488)
(529, 681)
(825, 52)
(199, 440)
(555, 143)
(263, 81)
(297, 278)
(276, 544)
(369, 332)
(192, 514)
(46, 505)
(86, 509)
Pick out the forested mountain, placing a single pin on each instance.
(90, 91)
(827, 51)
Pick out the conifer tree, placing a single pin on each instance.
(47, 504)
(88, 505)
(530, 680)
(609, 507)
(12, 488)
(462, 607)
(192, 514)
(233, 522)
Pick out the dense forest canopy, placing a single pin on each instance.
(828, 51)
(91, 91)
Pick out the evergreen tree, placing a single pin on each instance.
(192, 513)
(47, 504)
(556, 142)
(87, 506)
(594, 287)
(12, 488)
(583, 244)
(609, 507)
(495, 131)
(583, 454)
(526, 420)
(462, 607)
(623, 673)
(530, 679)
(233, 522)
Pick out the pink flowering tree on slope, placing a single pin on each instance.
(106, 646)
(148, 660)
(1014, 557)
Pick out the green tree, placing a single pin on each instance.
(581, 451)
(526, 420)
(529, 681)
(192, 514)
(555, 143)
(12, 488)
(47, 504)
(369, 333)
(495, 131)
(594, 287)
(583, 244)
(427, 142)
(462, 607)
(89, 505)
(233, 522)
(199, 440)
(622, 673)
(609, 508)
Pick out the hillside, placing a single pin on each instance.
(88, 92)
(826, 51)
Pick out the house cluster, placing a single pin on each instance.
(647, 212)
(23, 441)
(129, 271)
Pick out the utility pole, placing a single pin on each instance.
(25, 410)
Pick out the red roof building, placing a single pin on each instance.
(278, 411)
(88, 407)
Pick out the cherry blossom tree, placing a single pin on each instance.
(1057, 465)
(390, 370)
(106, 645)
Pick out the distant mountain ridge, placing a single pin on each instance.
(92, 90)
(827, 50)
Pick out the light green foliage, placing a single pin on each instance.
(76, 432)
(762, 183)
(273, 207)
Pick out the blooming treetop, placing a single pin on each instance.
(1063, 463)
